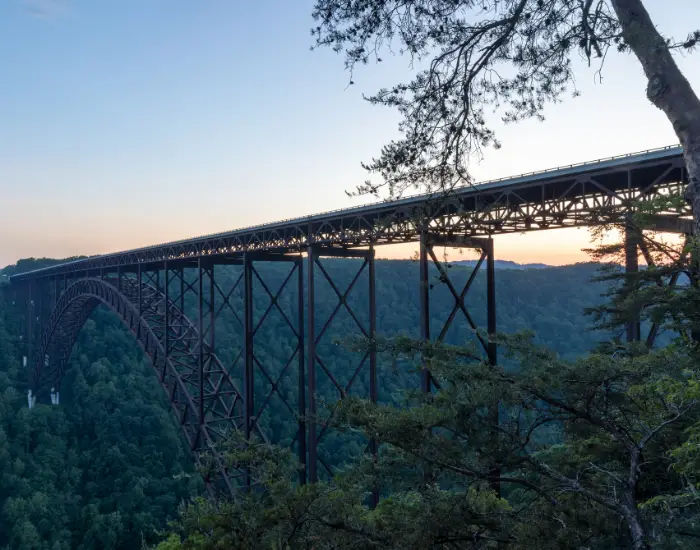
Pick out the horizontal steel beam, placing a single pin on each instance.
(670, 224)
(338, 252)
(457, 241)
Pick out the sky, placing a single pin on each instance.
(128, 123)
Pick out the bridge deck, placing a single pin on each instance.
(560, 197)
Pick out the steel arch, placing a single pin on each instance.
(178, 372)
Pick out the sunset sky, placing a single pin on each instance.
(131, 123)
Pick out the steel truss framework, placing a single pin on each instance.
(427, 255)
(566, 197)
(175, 301)
(319, 366)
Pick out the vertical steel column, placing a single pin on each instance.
(372, 328)
(492, 351)
(311, 367)
(301, 398)
(248, 366)
(633, 328)
(40, 305)
(166, 330)
(44, 313)
(139, 277)
(372, 355)
(424, 296)
(212, 312)
(248, 357)
(491, 301)
(30, 331)
(200, 321)
(182, 290)
(39, 310)
(119, 278)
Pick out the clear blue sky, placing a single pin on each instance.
(126, 123)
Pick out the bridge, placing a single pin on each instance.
(173, 296)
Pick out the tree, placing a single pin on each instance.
(514, 56)
(599, 433)
(106, 468)
(597, 452)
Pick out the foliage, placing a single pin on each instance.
(509, 57)
(103, 470)
(597, 452)
(277, 513)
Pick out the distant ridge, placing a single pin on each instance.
(505, 264)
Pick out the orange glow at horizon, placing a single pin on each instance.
(553, 247)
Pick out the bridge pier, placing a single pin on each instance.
(427, 257)
(29, 322)
(201, 271)
(232, 298)
(488, 347)
(218, 303)
(38, 306)
(314, 360)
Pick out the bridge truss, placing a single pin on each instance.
(178, 304)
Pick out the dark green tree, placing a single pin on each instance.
(598, 452)
(106, 468)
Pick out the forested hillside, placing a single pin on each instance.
(107, 467)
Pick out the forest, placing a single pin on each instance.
(107, 468)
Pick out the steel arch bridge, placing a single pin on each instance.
(172, 297)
